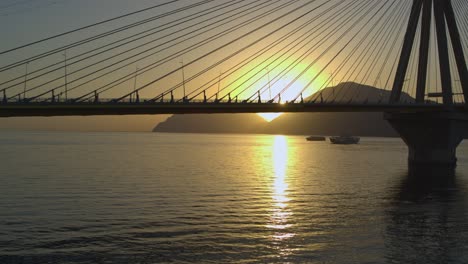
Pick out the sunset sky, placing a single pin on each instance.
(37, 19)
(277, 50)
(34, 20)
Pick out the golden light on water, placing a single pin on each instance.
(280, 162)
(280, 211)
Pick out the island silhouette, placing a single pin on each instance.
(362, 124)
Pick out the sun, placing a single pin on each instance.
(279, 86)
(269, 116)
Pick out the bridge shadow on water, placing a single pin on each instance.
(427, 219)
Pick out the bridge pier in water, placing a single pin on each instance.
(432, 138)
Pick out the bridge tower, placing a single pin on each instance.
(432, 137)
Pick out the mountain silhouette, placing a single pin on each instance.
(359, 124)
(212, 123)
(354, 92)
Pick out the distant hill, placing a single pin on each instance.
(350, 91)
(359, 124)
(212, 123)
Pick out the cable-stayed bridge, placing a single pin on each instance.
(406, 58)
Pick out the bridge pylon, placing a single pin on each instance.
(432, 138)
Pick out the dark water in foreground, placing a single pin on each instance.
(155, 198)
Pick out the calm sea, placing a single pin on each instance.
(176, 198)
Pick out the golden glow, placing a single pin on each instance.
(269, 116)
(302, 85)
(270, 86)
(280, 211)
(280, 162)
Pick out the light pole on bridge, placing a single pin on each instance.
(134, 82)
(25, 80)
(269, 82)
(66, 75)
(183, 78)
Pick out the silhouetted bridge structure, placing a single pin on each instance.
(96, 109)
(245, 56)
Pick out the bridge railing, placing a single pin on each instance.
(133, 101)
(145, 101)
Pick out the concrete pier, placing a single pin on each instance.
(432, 138)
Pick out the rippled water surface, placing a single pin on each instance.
(158, 198)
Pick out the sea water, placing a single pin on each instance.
(188, 198)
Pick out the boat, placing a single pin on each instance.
(316, 138)
(344, 140)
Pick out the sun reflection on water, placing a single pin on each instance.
(280, 162)
(281, 214)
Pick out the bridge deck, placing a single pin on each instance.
(94, 109)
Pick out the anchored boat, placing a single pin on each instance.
(316, 138)
(345, 140)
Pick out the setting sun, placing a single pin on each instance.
(294, 88)
(269, 116)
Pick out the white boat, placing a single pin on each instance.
(345, 140)
(316, 138)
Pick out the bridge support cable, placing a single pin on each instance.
(376, 8)
(406, 51)
(282, 51)
(360, 64)
(457, 47)
(238, 52)
(285, 69)
(323, 26)
(327, 31)
(121, 42)
(396, 28)
(337, 40)
(126, 60)
(127, 77)
(343, 48)
(57, 63)
(363, 54)
(205, 41)
(412, 72)
(165, 60)
(168, 58)
(461, 12)
(461, 16)
(191, 48)
(424, 50)
(301, 7)
(362, 49)
(432, 138)
(444, 61)
(445, 18)
(93, 38)
(87, 27)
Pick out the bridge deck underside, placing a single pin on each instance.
(92, 109)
